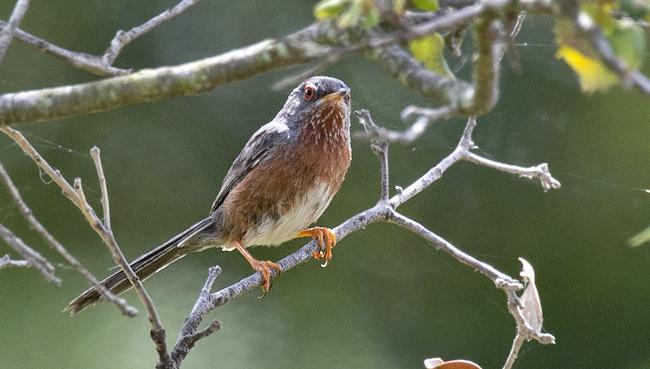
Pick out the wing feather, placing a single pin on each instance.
(253, 153)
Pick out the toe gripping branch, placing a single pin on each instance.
(326, 240)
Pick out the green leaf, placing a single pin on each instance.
(428, 5)
(640, 239)
(629, 43)
(329, 8)
(429, 50)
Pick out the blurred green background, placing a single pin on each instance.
(388, 300)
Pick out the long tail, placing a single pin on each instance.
(144, 267)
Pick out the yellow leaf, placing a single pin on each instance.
(429, 50)
(594, 76)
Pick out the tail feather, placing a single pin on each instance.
(144, 267)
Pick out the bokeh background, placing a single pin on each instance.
(388, 300)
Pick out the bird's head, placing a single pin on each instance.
(317, 102)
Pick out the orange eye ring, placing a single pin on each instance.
(310, 92)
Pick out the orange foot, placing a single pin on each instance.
(326, 241)
(265, 267)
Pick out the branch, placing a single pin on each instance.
(32, 258)
(415, 130)
(77, 196)
(6, 262)
(55, 244)
(106, 234)
(477, 100)
(7, 31)
(86, 62)
(157, 84)
(313, 43)
(101, 65)
(539, 171)
(122, 38)
(500, 280)
(378, 146)
(189, 333)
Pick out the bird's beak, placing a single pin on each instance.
(336, 96)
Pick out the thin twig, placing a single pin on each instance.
(539, 171)
(106, 233)
(32, 257)
(77, 196)
(86, 62)
(100, 65)
(415, 130)
(189, 333)
(524, 331)
(7, 261)
(517, 342)
(380, 147)
(95, 154)
(500, 279)
(58, 247)
(122, 38)
(7, 32)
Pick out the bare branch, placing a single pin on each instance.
(539, 171)
(57, 246)
(7, 31)
(95, 154)
(32, 258)
(101, 66)
(524, 331)
(379, 146)
(6, 262)
(106, 234)
(425, 118)
(517, 342)
(122, 38)
(154, 84)
(76, 195)
(86, 62)
(189, 333)
(499, 279)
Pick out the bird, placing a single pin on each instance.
(280, 183)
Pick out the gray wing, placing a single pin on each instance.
(256, 149)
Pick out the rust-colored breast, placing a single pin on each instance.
(319, 156)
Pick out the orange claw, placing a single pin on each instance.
(326, 240)
(265, 267)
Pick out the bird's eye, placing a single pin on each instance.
(310, 92)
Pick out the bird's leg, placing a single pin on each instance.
(326, 240)
(264, 267)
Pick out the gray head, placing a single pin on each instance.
(312, 97)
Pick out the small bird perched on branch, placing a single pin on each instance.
(281, 182)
